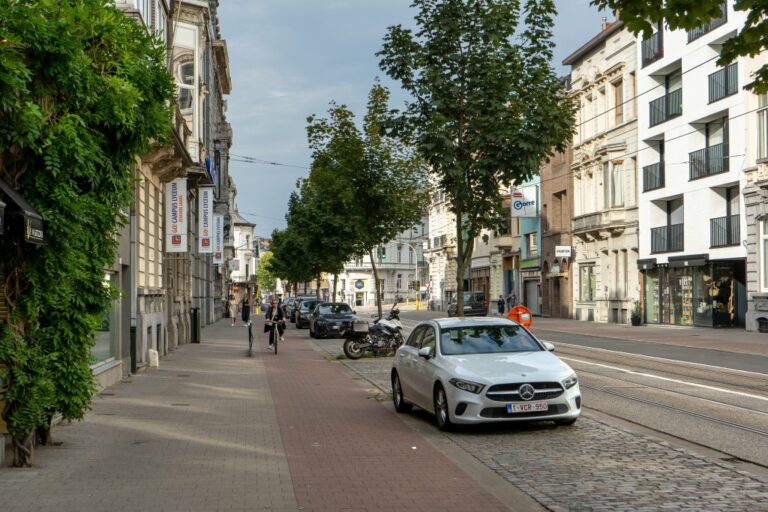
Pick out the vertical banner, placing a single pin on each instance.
(218, 239)
(524, 202)
(176, 215)
(205, 220)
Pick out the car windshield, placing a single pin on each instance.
(487, 339)
(335, 309)
(307, 305)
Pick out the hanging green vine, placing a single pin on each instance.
(83, 90)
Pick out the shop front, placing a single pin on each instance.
(694, 291)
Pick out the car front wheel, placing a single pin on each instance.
(397, 395)
(442, 417)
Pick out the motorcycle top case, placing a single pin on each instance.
(359, 328)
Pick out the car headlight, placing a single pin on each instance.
(465, 385)
(570, 381)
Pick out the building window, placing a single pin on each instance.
(587, 283)
(764, 253)
(530, 243)
(762, 127)
(613, 184)
(618, 102)
(105, 346)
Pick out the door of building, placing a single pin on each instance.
(359, 299)
(532, 296)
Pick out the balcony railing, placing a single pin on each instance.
(653, 176)
(723, 82)
(653, 48)
(724, 231)
(708, 161)
(667, 238)
(709, 27)
(665, 108)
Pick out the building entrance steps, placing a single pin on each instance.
(728, 339)
(213, 429)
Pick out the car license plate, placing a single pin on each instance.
(467, 307)
(528, 407)
(335, 327)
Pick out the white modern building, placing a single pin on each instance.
(692, 142)
(401, 269)
(605, 223)
(243, 266)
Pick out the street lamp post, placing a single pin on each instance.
(415, 272)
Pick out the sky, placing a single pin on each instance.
(290, 58)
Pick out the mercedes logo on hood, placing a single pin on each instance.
(527, 391)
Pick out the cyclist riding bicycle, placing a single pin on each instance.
(275, 319)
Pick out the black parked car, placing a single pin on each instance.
(330, 319)
(306, 306)
(292, 311)
(474, 305)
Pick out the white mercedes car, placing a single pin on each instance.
(483, 370)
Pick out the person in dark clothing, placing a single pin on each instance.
(500, 305)
(276, 317)
(245, 310)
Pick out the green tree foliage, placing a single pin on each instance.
(487, 107)
(83, 89)
(371, 186)
(265, 277)
(641, 16)
(289, 253)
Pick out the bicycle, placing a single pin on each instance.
(274, 337)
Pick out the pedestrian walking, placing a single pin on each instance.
(245, 310)
(500, 305)
(511, 301)
(233, 306)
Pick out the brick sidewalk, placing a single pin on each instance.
(212, 429)
(348, 452)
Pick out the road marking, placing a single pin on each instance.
(677, 381)
(663, 359)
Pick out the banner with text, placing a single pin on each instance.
(205, 220)
(176, 215)
(218, 239)
(525, 201)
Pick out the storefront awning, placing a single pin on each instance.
(29, 223)
(692, 260)
(646, 264)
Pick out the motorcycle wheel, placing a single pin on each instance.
(352, 349)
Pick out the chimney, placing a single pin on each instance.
(604, 23)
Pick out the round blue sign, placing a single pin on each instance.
(359, 284)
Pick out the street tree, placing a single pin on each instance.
(288, 257)
(486, 106)
(83, 90)
(265, 277)
(641, 16)
(380, 186)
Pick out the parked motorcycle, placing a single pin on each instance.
(383, 338)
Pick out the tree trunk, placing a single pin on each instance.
(376, 277)
(460, 264)
(23, 449)
(317, 287)
(335, 283)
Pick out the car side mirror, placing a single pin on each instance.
(549, 346)
(426, 353)
(354, 312)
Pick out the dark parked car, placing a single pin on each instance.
(330, 319)
(295, 306)
(474, 305)
(306, 306)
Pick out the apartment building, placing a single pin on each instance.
(604, 167)
(756, 204)
(556, 237)
(440, 252)
(692, 125)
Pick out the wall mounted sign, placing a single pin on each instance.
(525, 201)
(205, 220)
(176, 215)
(218, 239)
(562, 251)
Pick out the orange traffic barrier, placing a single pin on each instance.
(521, 315)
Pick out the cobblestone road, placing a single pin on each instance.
(594, 465)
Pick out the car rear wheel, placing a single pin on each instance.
(442, 417)
(397, 395)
